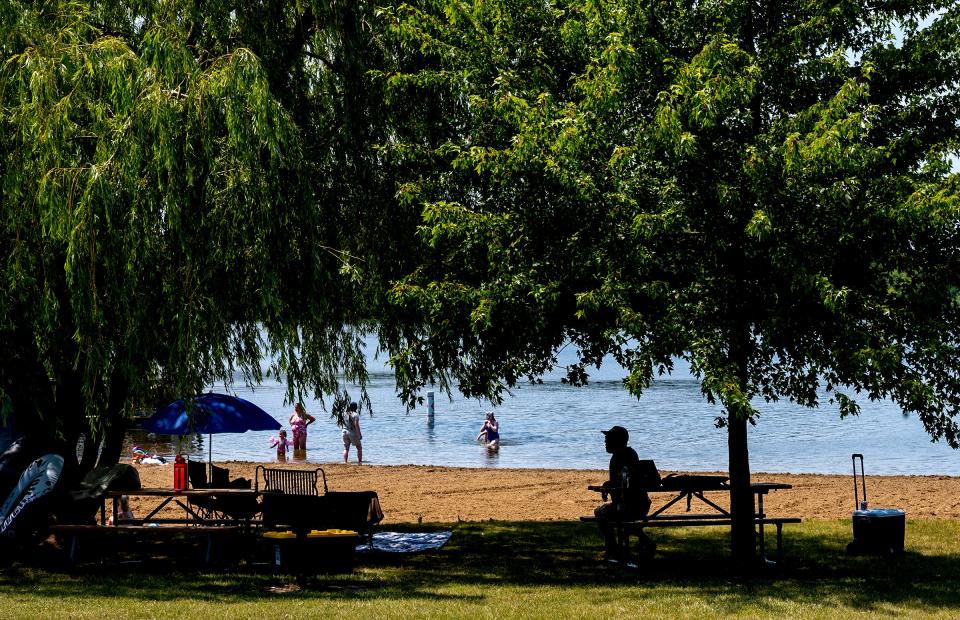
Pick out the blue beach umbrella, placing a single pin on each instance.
(211, 413)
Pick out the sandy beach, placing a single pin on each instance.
(433, 494)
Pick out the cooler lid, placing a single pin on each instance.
(879, 513)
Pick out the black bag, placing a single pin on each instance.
(647, 475)
(119, 477)
(87, 498)
(220, 479)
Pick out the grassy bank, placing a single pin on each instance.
(535, 570)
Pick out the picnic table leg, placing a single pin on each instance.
(779, 542)
(299, 555)
(73, 548)
(703, 498)
(72, 553)
(209, 553)
(668, 504)
(201, 517)
(153, 512)
(761, 542)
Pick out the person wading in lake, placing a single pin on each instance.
(629, 501)
(299, 421)
(351, 433)
(490, 432)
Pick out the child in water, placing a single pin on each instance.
(281, 443)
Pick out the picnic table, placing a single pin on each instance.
(290, 500)
(167, 496)
(695, 487)
(194, 524)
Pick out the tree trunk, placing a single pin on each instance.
(113, 443)
(91, 448)
(116, 422)
(742, 534)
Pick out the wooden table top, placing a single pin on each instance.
(156, 492)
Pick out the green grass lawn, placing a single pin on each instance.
(529, 570)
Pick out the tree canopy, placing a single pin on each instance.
(171, 207)
(762, 189)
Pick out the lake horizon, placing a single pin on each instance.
(557, 426)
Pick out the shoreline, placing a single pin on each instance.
(442, 494)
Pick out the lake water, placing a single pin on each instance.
(556, 426)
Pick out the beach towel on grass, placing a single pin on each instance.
(406, 542)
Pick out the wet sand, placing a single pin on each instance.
(433, 494)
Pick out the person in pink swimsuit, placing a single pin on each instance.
(299, 421)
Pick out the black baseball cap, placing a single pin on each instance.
(617, 432)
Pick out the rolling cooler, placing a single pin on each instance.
(876, 531)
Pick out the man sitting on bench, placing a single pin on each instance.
(630, 501)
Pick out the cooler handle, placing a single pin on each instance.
(863, 482)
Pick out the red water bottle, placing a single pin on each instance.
(179, 474)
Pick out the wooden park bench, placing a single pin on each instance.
(290, 481)
(292, 500)
(72, 534)
(293, 507)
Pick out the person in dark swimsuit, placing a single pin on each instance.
(490, 431)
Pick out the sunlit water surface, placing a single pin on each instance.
(556, 426)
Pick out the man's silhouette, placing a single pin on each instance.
(630, 501)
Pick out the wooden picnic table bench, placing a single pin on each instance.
(626, 528)
(72, 534)
(694, 487)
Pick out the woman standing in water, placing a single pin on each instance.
(490, 432)
(299, 421)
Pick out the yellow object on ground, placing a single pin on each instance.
(332, 533)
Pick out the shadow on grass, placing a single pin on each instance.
(566, 555)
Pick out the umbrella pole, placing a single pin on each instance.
(210, 459)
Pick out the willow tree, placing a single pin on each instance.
(169, 214)
(761, 189)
